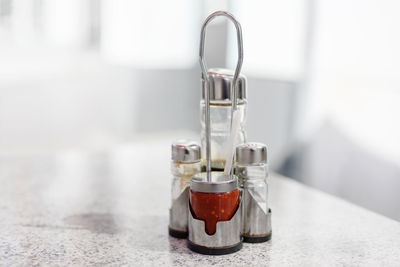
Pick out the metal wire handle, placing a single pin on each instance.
(233, 88)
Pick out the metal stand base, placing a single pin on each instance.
(177, 234)
(214, 251)
(257, 239)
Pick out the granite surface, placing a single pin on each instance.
(111, 208)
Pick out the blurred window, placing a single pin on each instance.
(273, 37)
(355, 70)
(150, 34)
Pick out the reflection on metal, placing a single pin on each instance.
(256, 219)
(178, 213)
(227, 233)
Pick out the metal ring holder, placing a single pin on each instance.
(233, 88)
(227, 236)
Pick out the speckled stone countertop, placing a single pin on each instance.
(84, 208)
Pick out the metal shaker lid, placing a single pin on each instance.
(220, 84)
(251, 153)
(219, 183)
(185, 151)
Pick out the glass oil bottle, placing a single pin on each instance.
(220, 83)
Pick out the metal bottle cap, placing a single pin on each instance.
(185, 151)
(220, 85)
(251, 153)
(219, 183)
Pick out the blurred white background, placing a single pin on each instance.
(323, 76)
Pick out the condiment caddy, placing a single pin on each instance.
(220, 190)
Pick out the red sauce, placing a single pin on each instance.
(214, 207)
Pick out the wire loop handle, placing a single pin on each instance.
(233, 88)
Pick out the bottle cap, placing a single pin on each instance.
(220, 85)
(185, 151)
(251, 153)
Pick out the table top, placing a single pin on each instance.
(80, 207)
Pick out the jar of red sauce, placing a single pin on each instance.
(213, 201)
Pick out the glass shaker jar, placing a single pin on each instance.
(220, 114)
(186, 162)
(252, 171)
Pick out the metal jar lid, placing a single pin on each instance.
(220, 85)
(251, 153)
(185, 151)
(219, 183)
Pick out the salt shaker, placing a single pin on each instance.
(252, 171)
(186, 162)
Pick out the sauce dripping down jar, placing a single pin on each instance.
(213, 201)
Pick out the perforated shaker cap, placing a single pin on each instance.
(185, 151)
(251, 153)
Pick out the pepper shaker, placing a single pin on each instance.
(252, 171)
(186, 162)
